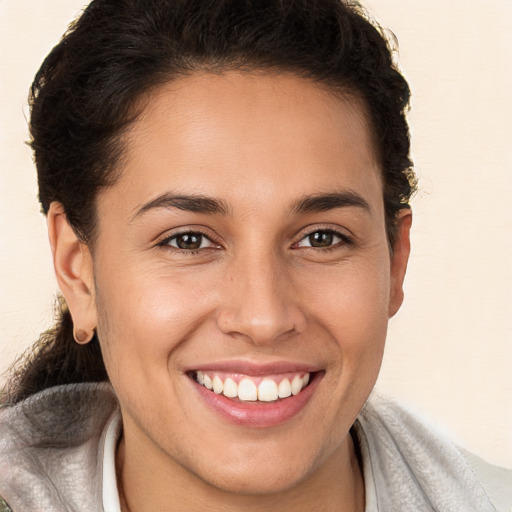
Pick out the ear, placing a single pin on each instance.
(73, 265)
(399, 259)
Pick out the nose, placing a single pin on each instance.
(259, 302)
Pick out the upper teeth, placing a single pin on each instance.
(247, 389)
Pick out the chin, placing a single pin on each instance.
(256, 480)
(255, 469)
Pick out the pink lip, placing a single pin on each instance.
(258, 414)
(255, 369)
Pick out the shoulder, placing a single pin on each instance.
(62, 416)
(418, 468)
(52, 437)
(496, 481)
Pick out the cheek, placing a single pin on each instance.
(353, 310)
(143, 317)
(353, 298)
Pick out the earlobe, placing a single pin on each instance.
(73, 266)
(399, 260)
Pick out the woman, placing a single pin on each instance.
(227, 190)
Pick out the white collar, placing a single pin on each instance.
(110, 494)
(370, 489)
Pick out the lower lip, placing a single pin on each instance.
(259, 414)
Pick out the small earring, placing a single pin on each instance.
(82, 337)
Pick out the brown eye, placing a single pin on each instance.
(323, 239)
(189, 241)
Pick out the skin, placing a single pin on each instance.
(258, 144)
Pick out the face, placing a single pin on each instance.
(244, 249)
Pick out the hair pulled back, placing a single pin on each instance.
(85, 93)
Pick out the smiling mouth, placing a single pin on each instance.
(246, 388)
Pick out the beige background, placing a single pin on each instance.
(449, 350)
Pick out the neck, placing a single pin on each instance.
(148, 484)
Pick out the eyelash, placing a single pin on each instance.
(344, 240)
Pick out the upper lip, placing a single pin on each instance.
(255, 369)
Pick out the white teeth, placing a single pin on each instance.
(230, 388)
(284, 389)
(247, 390)
(207, 382)
(296, 385)
(267, 390)
(218, 385)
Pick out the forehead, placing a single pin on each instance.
(248, 135)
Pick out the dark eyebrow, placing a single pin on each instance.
(190, 203)
(325, 202)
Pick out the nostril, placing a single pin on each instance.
(259, 330)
